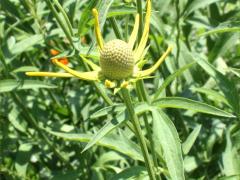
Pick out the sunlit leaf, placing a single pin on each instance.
(184, 103)
(13, 85)
(187, 145)
(165, 135)
(111, 141)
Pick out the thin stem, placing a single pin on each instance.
(55, 13)
(142, 92)
(178, 29)
(140, 12)
(115, 27)
(65, 16)
(102, 94)
(143, 96)
(126, 29)
(138, 132)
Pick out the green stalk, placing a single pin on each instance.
(138, 132)
(115, 27)
(65, 16)
(142, 93)
(142, 96)
(140, 12)
(55, 13)
(178, 30)
(126, 29)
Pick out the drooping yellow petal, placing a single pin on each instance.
(134, 33)
(97, 29)
(49, 74)
(91, 64)
(149, 71)
(139, 51)
(89, 76)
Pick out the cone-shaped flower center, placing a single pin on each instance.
(116, 60)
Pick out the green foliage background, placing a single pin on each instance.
(194, 109)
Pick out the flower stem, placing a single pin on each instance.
(138, 132)
(140, 12)
(143, 97)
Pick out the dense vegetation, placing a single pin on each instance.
(68, 128)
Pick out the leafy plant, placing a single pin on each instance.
(176, 121)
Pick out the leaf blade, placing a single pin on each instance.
(184, 103)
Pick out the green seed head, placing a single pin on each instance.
(116, 60)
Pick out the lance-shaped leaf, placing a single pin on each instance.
(184, 103)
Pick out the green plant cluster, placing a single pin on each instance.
(183, 122)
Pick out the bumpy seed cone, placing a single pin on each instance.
(116, 60)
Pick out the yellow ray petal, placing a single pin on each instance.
(89, 76)
(134, 33)
(49, 74)
(97, 29)
(149, 71)
(91, 64)
(139, 51)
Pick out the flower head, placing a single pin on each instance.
(119, 60)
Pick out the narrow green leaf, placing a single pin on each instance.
(12, 85)
(166, 136)
(235, 71)
(108, 127)
(85, 16)
(135, 172)
(26, 44)
(233, 177)
(216, 96)
(196, 4)
(232, 26)
(120, 11)
(114, 123)
(106, 158)
(231, 158)
(14, 119)
(187, 145)
(224, 43)
(111, 141)
(228, 87)
(23, 158)
(103, 11)
(184, 103)
(25, 69)
(108, 110)
(170, 79)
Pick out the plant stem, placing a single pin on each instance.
(55, 13)
(143, 96)
(178, 30)
(64, 16)
(115, 27)
(140, 12)
(142, 93)
(138, 132)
